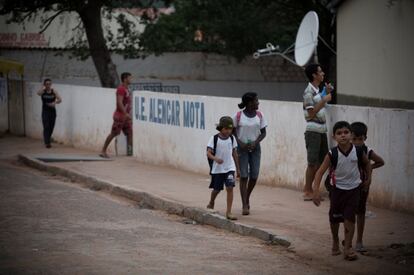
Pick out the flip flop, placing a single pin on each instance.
(351, 256)
(105, 156)
(359, 247)
(231, 217)
(336, 252)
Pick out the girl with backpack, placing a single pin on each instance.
(250, 129)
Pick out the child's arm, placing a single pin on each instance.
(368, 171)
(318, 178)
(213, 157)
(378, 161)
(236, 161)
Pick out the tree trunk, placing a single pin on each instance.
(91, 19)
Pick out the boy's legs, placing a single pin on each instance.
(361, 220)
(213, 197)
(360, 228)
(349, 227)
(335, 238)
(230, 183)
(351, 203)
(229, 200)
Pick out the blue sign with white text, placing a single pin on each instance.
(189, 114)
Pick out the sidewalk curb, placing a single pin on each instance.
(150, 201)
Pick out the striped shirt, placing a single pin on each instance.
(311, 97)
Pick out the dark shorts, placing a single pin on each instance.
(219, 180)
(120, 124)
(316, 147)
(250, 163)
(363, 197)
(344, 204)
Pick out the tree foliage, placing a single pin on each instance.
(91, 38)
(231, 27)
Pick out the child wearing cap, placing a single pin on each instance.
(222, 150)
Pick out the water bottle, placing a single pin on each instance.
(323, 93)
(249, 142)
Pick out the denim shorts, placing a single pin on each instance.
(250, 163)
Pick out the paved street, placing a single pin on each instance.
(49, 226)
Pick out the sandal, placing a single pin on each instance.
(336, 252)
(231, 217)
(104, 155)
(246, 211)
(359, 247)
(210, 205)
(351, 256)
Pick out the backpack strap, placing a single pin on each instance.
(215, 139)
(334, 162)
(334, 157)
(238, 116)
(232, 140)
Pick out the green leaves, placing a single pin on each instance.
(232, 27)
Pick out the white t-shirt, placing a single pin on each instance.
(347, 174)
(224, 151)
(248, 128)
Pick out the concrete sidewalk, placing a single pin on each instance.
(278, 211)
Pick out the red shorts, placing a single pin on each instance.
(121, 124)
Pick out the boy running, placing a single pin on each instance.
(222, 150)
(345, 162)
(359, 136)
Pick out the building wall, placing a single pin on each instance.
(159, 140)
(375, 45)
(195, 73)
(84, 118)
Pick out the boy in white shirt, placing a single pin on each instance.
(222, 152)
(346, 161)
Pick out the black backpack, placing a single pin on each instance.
(334, 162)
(215, 139)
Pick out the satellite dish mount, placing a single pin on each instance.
(304, 46)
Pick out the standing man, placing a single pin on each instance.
(122, 115)
(315, 135)
(50, 98)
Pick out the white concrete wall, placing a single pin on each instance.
(4, 114)
(375, 44)
(84, 118)
(391, 134)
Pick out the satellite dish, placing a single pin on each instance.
(305, 45)
(306, 38)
